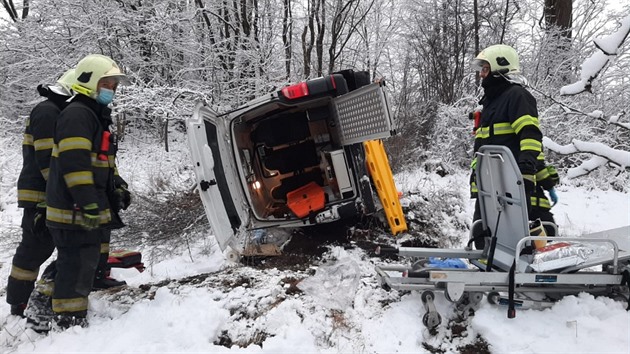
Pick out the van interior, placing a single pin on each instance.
(291, 159)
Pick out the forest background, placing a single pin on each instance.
(227, 52)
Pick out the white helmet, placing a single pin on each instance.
(91, 69)
(63, 86)
(502, 59)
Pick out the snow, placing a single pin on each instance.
(603, 154)
(342, 307)
(590, 68)
(621, 158)
(579, 324)
(610, 44)
(614, 119)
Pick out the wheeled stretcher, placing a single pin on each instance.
(504, 266)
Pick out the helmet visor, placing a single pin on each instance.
(114, 72)
(478, 64)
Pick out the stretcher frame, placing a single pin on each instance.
(501, 266)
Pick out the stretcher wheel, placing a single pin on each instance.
(494, 298)
(431, 320)
(475, 297)
(427, 296)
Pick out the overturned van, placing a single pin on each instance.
(305, 155)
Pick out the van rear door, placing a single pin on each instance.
(222, 198)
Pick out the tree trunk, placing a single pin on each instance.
(287, 34)
(558, 25)
(308, 39)
(476, 27)
(559, 13)
(321, 31)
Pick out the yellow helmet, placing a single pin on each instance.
(91, 69)
(63, 86)
(502, 58)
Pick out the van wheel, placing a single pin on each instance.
(232, 255)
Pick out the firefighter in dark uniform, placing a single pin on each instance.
(510, 118)
(36, 244)
(84, 191)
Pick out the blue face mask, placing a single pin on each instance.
(105, 96)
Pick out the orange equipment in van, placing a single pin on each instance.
(306, 199)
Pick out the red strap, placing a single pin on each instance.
(104, 146)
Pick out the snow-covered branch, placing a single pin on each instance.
(586, 167)
(593, 65)
(604, 154)
(613, 119)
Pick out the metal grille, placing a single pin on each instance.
(363, 115)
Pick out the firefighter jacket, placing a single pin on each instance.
(37, 148)
(510, 118)
(82, 169)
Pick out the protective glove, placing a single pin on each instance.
(122, 198)
(553, 174)
(39, 221)
(90, 217)
(553, 196)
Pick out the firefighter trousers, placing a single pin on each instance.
(78, 253)
(34, 249)
(105, 238)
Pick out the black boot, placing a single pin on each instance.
(18, 310)
(63, 322)
(103, 280)
(39, 312)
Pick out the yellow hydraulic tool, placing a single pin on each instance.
(381, 173)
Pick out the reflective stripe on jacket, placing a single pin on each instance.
(36, 150)
(80, 174)
(511, 119)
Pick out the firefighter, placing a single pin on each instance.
(510, 118)
(84, 191)
(36, 244)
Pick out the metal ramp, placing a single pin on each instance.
(364, 114)
(501, 266)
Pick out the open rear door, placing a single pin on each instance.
(210, 152)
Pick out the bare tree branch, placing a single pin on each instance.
(10, 8)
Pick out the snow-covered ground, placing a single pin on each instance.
(197, 301)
